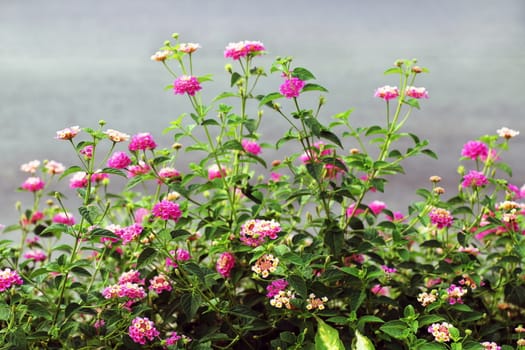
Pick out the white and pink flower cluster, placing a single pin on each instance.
(255, 232)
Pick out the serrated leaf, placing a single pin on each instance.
(113, 171)
(147, 254)
(71, 170)
(190, 304)
(298, 284)
(327, 338)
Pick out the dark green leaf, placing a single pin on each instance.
(299, 285)
(313, 87)
(147, 255)
(302, 73)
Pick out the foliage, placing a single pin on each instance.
(243, 252)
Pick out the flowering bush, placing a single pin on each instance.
(240, 252)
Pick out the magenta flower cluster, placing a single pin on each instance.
(186, 84)
(225, 264)
(441, 217)
(475, 150)
(291, 87)
(474, 179)
(9, 278)
(251, 147)
(33, 184)
(177, 256)
(142, 330)
(166, 210)
(254, 232)
(160, 284)
(440, 331)
(243, 49)
(142, 142)
(128, 233)
(387, 92)
(119, 160)
(275, 287)
(64, 218)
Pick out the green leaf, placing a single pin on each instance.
(113, 171)
(429, 319)
(330, 136)
(269, 98)
(313, 87)
(298, 284)
(361, 342)
(396, 329)
(432, 346)
(302, 73)
(89, 213)
(5, 311)
(224, 95)
(190, 304)
(235, 78)
(71, 170)
(327, 338)
(147, 255)
(394, 70)
(232, 145)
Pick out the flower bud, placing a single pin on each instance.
(228, 68)
(398, 63)
(435, 179)
(439, 190)
(176, 146)
(417, 69)
(354, 151)
(102, 122)
(49, 202)
(276, 162)
(175, 36)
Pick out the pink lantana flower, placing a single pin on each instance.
(189, 47)
(68, 133)
(142, 330)
(64, 218)
(35, 255)
(167, 210)
(87, 151)
(251, 147)
(377, 207)
(119, 160)
(33, 184)
(243, 49)
(54, 168)
(78, 180)
(9, 278)
(214, 172)
(291, 87)
(116, 136)
(474, 179)
(141, 142)
(416, 92)
(254, 232)
(186, 84)
(275, 287)
(138, 169)
(225, 264)
(441, 217)
(440, 331)
(387, 92)
(160, 284)
(30, 167)
(475, 150)
(168, 174)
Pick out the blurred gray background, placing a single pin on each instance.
(65, 63)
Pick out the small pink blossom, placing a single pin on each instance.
(475, 150)
(167, 210)
(160, 56)
(441, 218)
(243, 49)
(387, 92)
(159, 284)
(167, 174)
(254, 232)
(64, 218)
(9, 278)
(397, 216)
(275, 177)
(378, 289)
(490, 346)
(189, 47)
(214, 172)
(124, 290)
(416, 92)
(186, 84)
(353, 211)
(119, 160)
(98, 177)
(251, 147)
(116, 136)
(377, 207)
(142, 330)
(99, 324)
(78, 180)
(129, 233)
(225, 264)
(507, 133)
(54, 168)
(291, 87)
(35, 255)
(131, 276)
(139, 169)
(142, 142)
(388, 270)
(455, 293)
(173, 338)
(440, 331)
(87, 151)
(275, 287)
(33, 184)
(67, 133)
(474, 179)
(30, 167)
(140, 214)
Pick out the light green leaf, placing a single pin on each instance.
(361, 342)
(327, 338)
